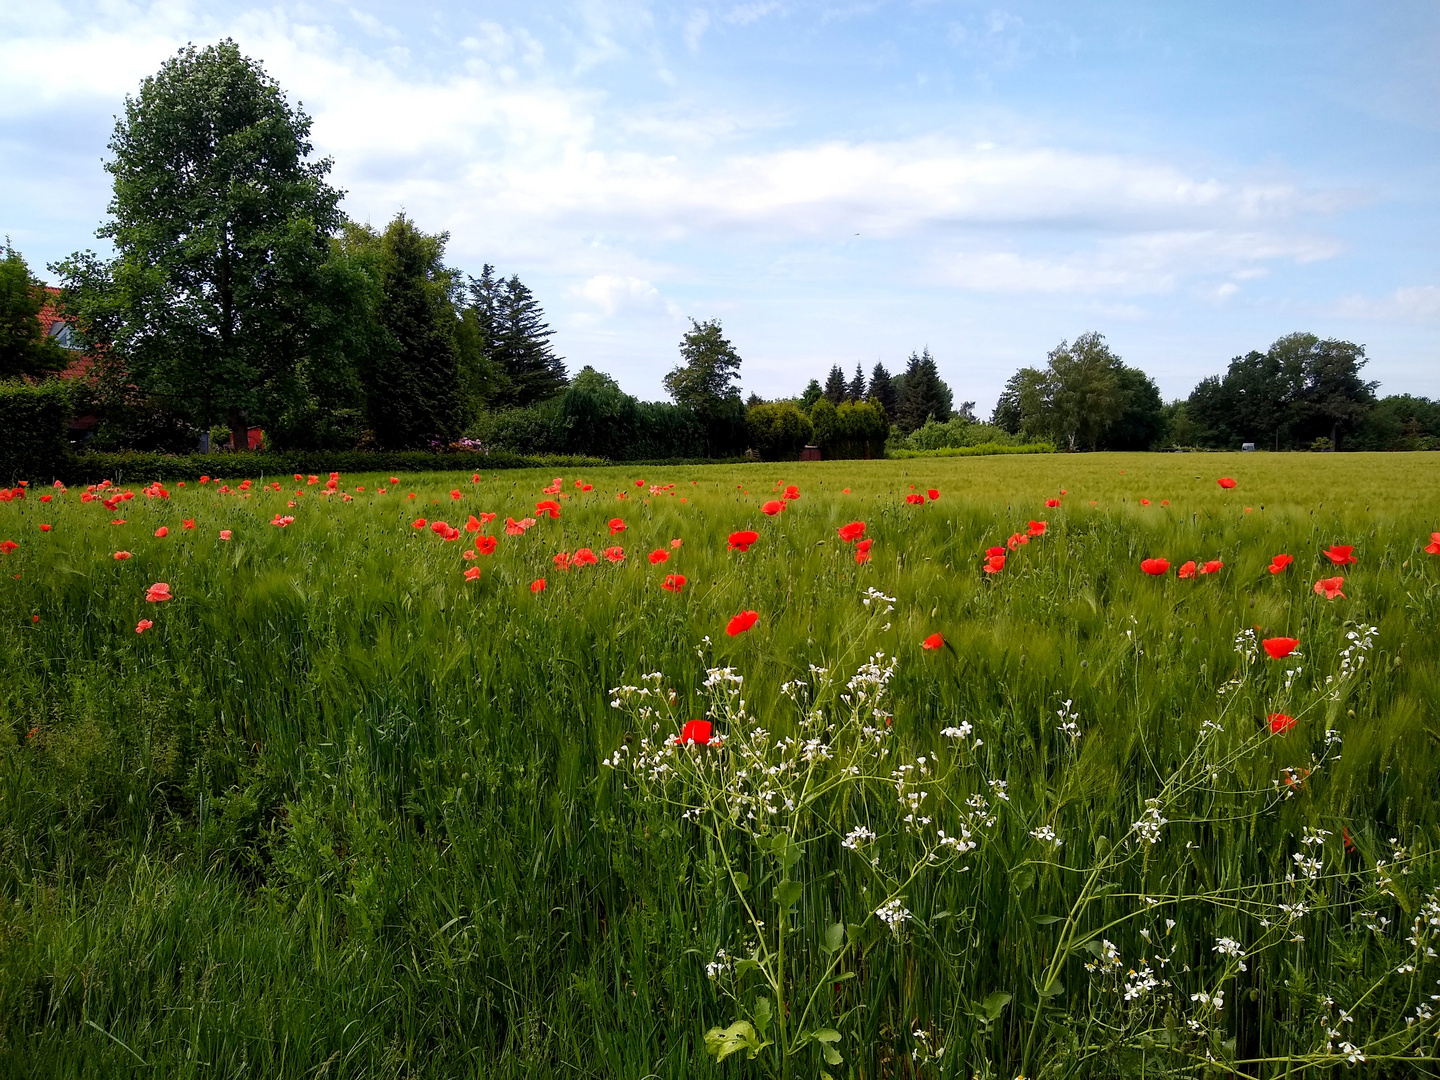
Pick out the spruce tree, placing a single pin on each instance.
(835, 386)
(812, 394)
(522, 346)
(882, 391)
(857, 385)
(924, 395)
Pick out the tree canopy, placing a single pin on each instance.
(24, 348)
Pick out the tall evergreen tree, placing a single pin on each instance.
(522, 346)
(413, 384)
(836, 388)
(924, 395)
(812, 394)
(856, 391)
(882, 391)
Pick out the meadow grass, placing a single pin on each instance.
(342, 812)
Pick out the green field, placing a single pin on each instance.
(341, 811)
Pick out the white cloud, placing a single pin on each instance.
(615, 294)
(1414, 303)
(695, 26)
(745, 14)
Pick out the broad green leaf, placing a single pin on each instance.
(826, 1035)
(832, 1055)
(1054, 989)
(742, 880)
(1046, 920)
(722, 1042)
(994, 1003)
(788, 893)
(834, 937)
(762, 1014)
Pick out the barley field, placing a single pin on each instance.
(923, 768)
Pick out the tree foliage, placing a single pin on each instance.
(220, 223)
(836, 388)
(24, 348)
(882, 391)
(922, 395)
(778, 430)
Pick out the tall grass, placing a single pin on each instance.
(341, 812)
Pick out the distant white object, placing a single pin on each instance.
(1247, 446)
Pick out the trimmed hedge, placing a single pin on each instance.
(34, 426)
(132, 466)
(983, 450)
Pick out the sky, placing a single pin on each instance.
(843, 181)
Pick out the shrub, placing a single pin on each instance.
(982, 450)
(778, 430)
(35, 420)
(956, 432)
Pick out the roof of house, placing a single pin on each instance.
(53, 324)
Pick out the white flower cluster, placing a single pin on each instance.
(1107, 960)
(1150, 823)
(1228, 946)
(1069, 721)
(1046, 835)
(893, 914)
(874, 595)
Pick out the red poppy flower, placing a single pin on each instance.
(1164, 502)
(513, 527)
(742, 622)
(997, 550)
(393, 479)
(1037, 528)
(562, 561)
(915, 500)
(673, 582)
(204, 479)
(862, 551)
(439, 528)
(1226, 482)
(468, 554)
(485, 519)
(1433, 547)
(588, 487)
(741, 541)
(538, 585)
(1279, 562)
(473, 525)
(419, 523)
(454, 493)
(1016, 539)
(45, 498)
(1212, 567)
(549, 506)
(934, 641)
(7, 546)
(791, 493)
(1155, 567)
(35, 619)
(695, 731)
(188, 523)
(1144, 502)
(676, 542)
(121, 556)
(1186, 571)
(773, 507)
(852, 532)
(224, 534)
(1330, 587)
(485, 545)
(1280, 723)
(616, 526)
(932, 493)
(1052, 503)
(584, 557)
(44, 528)
(143, 625)
(845, 491)
(659, 555)
(472, 573)
(1280, 647)
(994, 563)
(158, 593)
(615, 554)
(639, 483)
(1339, 554)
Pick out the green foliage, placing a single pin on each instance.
(1301, 389)
(220, 224)
(778, 430)
(837, 390)
(1399, 422)
(882, 391)
(979, 450)
(135, 468)
(1141, 424)
(812, 394)
(706, 385)
(958, 431)
(516, 365)
(35, 421)
(922, 395)
(24, 349)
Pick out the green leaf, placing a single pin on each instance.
(742, 880)
(834, 937)
(722, 1042)
(762, 1014)
(1046, 920)
(788, 893)
(832, 1055)
(994, 1003)
(1051, 990)
(744, 967)
(826, 1035)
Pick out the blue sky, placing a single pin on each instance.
(838, 182)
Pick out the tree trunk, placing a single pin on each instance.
(239, 430)
(1335, 436)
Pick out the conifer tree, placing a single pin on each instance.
(882, 391)
(856, 391)
(924, 395)
(812, 394)
(836, 388)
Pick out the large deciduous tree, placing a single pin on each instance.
(24, 348)
(220, 222)
(706, 383)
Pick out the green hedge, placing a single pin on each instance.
(984, 450)
(132, 466)
(34, 425)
